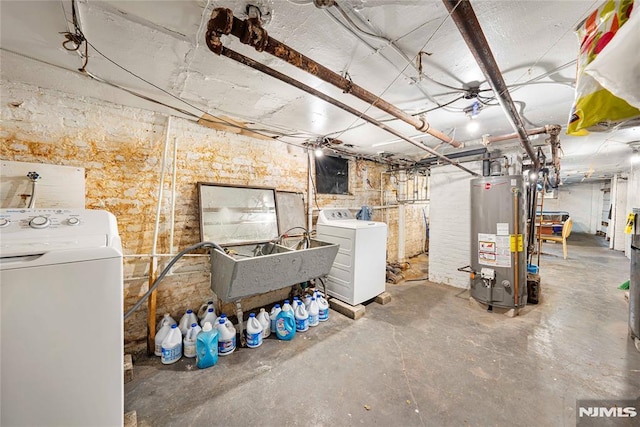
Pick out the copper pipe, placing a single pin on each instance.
(282, 77)
(465, 19)
(552, 130)
(251, 32)
(500, 138)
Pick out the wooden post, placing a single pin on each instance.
(151, 308)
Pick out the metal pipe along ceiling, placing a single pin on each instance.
(465, 19)
(219, 49)
(251, 32)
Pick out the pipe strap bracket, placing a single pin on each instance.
(221, 21)
(254, 35)
(424, 126)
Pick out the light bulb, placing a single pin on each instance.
(533, 176)
(473, 125)
(319, 152)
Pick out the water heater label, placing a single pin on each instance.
(494, 250)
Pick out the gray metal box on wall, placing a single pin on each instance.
(498, 252)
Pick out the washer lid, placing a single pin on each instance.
(10, 248)
(353, 224)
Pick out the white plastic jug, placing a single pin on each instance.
(323, 307)
(160, 336)
(204, 308)
(286, 306)
(294, 304)
(223, 317)
(302, 318)
(209, 317)
(187, 319)
(189, 341)
(307, 301)
(265, 321)
(314, 313)
(226, 337)
(166, 319)
(172, 346)
(274, 313)
(254, 332)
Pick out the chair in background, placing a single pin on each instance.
(566, 231)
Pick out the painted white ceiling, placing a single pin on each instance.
(157, 49)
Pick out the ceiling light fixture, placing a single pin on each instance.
(472, 112)
(319, 152)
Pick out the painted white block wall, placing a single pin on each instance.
(450, 224)
(582, 201)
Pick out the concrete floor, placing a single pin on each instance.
(429, 357)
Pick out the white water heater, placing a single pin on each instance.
(358, 273)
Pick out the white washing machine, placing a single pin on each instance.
(359, 270)
(62, 327)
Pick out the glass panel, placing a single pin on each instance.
(236, 215)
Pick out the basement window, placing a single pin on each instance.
(332, 175)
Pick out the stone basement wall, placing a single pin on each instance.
(121, 150)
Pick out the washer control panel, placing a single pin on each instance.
(334, 214)
(39, 219)
(38, 231)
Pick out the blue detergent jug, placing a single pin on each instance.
(286, 323)
(207, 347)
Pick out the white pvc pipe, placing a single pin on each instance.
(165, 255)
(163, 167)
(401, 238)
(310, 196)
(173, 195)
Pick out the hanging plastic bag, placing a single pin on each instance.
(617, 68)
(595, 104)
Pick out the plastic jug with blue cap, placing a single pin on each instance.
(204, 309)
(286, 323)
(189, 341)
(265, 321)
(323, 308)
(226, 337)
(186, 320)
(273, 314)
(302, 318)
(254, 331)
(166, 319)
(207, 346)
(314, 312)
(160, 336)
(210, 317)
(172, 346)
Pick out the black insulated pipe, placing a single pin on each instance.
(467, 22)
(486, 164)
